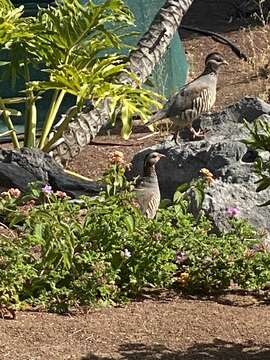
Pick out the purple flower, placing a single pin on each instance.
(47, 189)
(233, 211)
(180, 257)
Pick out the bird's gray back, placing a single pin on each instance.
(193, 99)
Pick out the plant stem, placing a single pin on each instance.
(55, 104)
(10, 126)
(30, 113)
(61, 126)
(77, 175)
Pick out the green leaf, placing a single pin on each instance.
(74, 42)
(130, 223)
(4, 63)
(126, 120)
(263, 184)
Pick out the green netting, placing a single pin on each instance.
(168, 76)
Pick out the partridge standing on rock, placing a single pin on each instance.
(147, 192)
(194, 98)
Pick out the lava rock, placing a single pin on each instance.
(18, 168)
(225, 155)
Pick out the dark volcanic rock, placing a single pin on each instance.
(20, 167)
(223, 153)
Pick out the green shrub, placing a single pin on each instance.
(105, 251)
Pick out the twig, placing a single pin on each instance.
(107, 143)
(75, 332)
(148, 136)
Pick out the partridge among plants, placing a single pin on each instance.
(194, 98)
(147, 192)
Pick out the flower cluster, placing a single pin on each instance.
(60, 194)
(207, 175)
(183, 279)
(233, 211)
(126, 253)
(12, 192)
(180, 257)
(117, 157)
(47, 190)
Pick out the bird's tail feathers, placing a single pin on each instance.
(159, 115)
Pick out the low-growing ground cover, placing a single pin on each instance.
(64, 255)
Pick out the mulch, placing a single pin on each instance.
(229, 328)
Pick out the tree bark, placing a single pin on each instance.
(84, 127)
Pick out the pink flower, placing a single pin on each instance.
(233, 211)
(16, 193)
(117, 157)
(60, 194)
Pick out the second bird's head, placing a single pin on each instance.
(152, 158)
(214, 60)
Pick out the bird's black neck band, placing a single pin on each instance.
(209, 70)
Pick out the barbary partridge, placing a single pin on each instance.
(147, 192)
(194, 98)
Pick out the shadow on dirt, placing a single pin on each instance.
(218, 350)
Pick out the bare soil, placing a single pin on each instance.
(229, 328)
(173, 327)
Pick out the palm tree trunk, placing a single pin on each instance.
(85, 126)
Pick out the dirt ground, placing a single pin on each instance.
(230, 328)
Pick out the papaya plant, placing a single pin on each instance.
(80, 49)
